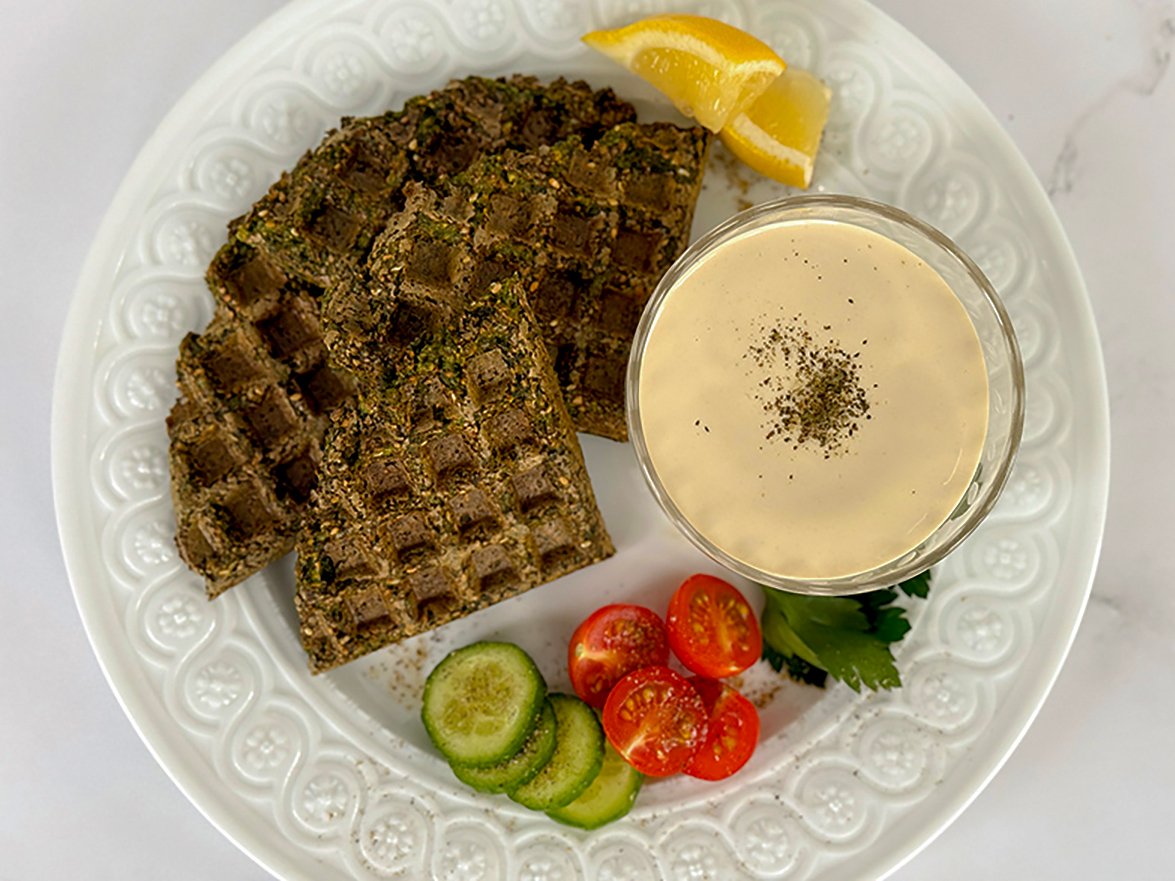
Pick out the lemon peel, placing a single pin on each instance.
(779, 134)
(710, 70)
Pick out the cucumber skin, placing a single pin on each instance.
(584, 814)
(438, 738)
(488, 780)
(528, 796)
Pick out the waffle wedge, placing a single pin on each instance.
(256, 387)
(622, 206)
(453, 479)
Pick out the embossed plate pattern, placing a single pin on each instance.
(330, 777)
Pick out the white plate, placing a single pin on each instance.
(329, 777)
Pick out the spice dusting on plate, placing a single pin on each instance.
(811, 389)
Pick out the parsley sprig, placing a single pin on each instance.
(849, 638)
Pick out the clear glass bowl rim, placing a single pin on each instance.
(887, 574)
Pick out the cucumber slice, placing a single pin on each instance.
(520, 767)
(481, 702)
(609, 797)
(579, 753)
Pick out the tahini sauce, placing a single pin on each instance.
(814, 511)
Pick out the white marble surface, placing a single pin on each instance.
(1088, 98)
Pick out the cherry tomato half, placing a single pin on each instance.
(656, 720)
(611, 642)
(732, 731)
(712, 628)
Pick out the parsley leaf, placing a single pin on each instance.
(847, 638)
(798, 669)
(887, 622)
(918, 586)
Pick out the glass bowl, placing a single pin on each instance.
(1004, 367)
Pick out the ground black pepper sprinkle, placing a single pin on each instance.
(818, 395)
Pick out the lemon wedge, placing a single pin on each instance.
(711, 71)
(778, 135)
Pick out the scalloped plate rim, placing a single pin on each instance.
(123, 677)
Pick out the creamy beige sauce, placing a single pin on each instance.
(813, 510)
